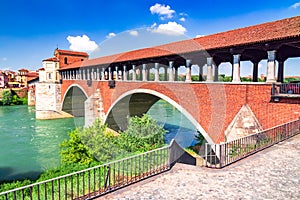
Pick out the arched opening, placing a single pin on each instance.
(163, 73)
(225, 72)
(151, 75)
(73, 102)
(195, 71)
(246, 71)
(290, 74)
(181, 73)
(65, 60)
(140, 101)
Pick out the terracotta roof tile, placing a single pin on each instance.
(67, 52)
(33, 74)
(54, 59)
(270, 31)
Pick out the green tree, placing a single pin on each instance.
(97, 143)
(6, 97)
(143, 134)
(101, 143)
(74, 151)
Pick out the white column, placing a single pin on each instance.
(144, 72)
(209, 76)
(88, 74)
(84, 74)
(188, 77)
(109, 74)
(271, 67)
(133, 73)
(117, 73)
(93, 74)
(171, 71)
(103, 74)
(236, 77)
(98, 76)
(125, 73)
(79, 75)
(156, 72)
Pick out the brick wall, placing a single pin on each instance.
(214, 106)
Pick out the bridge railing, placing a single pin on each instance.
(286, 88)
(221, 155)
(96, 181)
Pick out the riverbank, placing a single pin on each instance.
(270, 174)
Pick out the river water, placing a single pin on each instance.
(30, 146)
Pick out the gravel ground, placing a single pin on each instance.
(270, 174)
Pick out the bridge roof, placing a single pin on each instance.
(280, 30)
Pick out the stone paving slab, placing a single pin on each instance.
(273, 173)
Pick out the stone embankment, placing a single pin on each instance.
(270, 174)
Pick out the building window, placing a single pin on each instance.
(66, 60)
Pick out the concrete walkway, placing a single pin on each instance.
(270, 174)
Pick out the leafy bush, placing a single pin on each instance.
(143, 134)
(101, 144)
(96, 143)
(10, 97)
(6, 97)
(74, 151)
(13, 185)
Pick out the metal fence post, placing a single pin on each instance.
(283, 136)
(220, 155)
(273, 89)
(206, 154)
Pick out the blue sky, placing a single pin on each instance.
(32, 29)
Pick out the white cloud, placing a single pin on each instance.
(260, 65)
(162, 10)
(171, 28)
(182, 19)
(183, 14)
(153, 25)
(295, 5)
(81, 43)
(197, 36)
(110, 35)
(134, 33)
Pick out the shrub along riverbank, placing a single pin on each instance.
(10, 97)
(96, 145)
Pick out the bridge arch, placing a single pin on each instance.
(136, 103)
(73, 100)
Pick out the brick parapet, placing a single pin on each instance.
(214, 106)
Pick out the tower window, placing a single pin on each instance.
(66, 60)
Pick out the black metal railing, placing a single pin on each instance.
(221, 155)
(96, 181)
(285, 89)
(99, 180)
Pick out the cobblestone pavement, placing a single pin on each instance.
(270, 174)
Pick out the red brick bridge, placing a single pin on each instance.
(126, 84)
